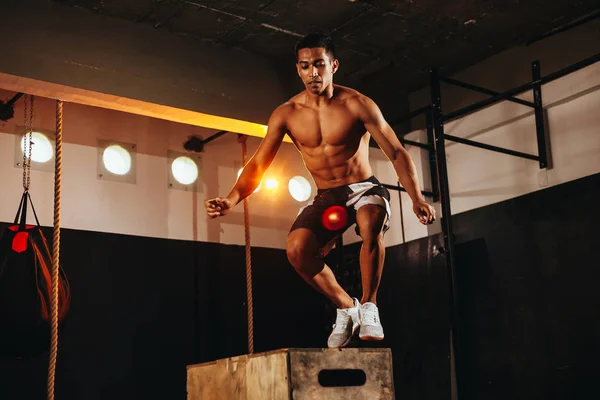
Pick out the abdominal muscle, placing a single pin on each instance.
(333, 166)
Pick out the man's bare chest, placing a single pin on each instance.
(333, 125)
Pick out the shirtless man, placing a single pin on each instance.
(331, 126)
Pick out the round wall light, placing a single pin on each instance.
(299, 188)
(116, 159)
(41, 148)
(185, 170)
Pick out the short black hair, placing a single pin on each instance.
(313, 40)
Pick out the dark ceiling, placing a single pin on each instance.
(377, 40)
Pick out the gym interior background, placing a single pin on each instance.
(156, 286)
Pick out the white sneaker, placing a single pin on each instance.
(346, 323)
(370, 324)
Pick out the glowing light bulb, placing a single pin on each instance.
(271, 183)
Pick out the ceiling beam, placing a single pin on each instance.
(118, 103)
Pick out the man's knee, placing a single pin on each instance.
(294, 252)
(370, 220)
(300, 251)
(372, 241)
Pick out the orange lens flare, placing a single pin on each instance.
(334, 218)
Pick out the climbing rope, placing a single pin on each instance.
(55, 250)
(242, 140)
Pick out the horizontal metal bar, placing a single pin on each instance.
(528, 86)
(401, 189)
(475, 107)
(492, 148)
(484, 90)
(412, 114)
(417, 144)
(570, 69)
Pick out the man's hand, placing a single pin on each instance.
(424, 212)
(218, 206)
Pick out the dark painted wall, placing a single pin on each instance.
(144, 308)
(413, 307)
(85, 50)
(528, 276)
(131, 321)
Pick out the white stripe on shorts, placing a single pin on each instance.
(357, 199)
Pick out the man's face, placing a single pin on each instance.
(316, 69)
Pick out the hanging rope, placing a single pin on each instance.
(55, 250)
(242, 140)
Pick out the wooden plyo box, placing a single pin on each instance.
(299, 374)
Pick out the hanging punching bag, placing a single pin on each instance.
(26, 287)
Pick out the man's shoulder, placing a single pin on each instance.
(289, 106)
(354, 99)
(284, 108)
(351, 96)
(296, 100)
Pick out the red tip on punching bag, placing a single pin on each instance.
(19, 242)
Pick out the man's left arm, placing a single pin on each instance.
(403, 164)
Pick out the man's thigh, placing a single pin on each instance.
(310, 220)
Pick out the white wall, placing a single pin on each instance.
(479, 177)
(147, 207)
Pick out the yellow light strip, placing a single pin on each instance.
(90, 98)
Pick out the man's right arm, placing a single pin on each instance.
(258, 164)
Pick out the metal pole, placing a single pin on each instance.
(447, 227)
(567, 70)
(14, 99)
(425, 146)
(400, 188)
(432, 157)
(401, 215)
(339, 246)
(214, 136)
(539, 114)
